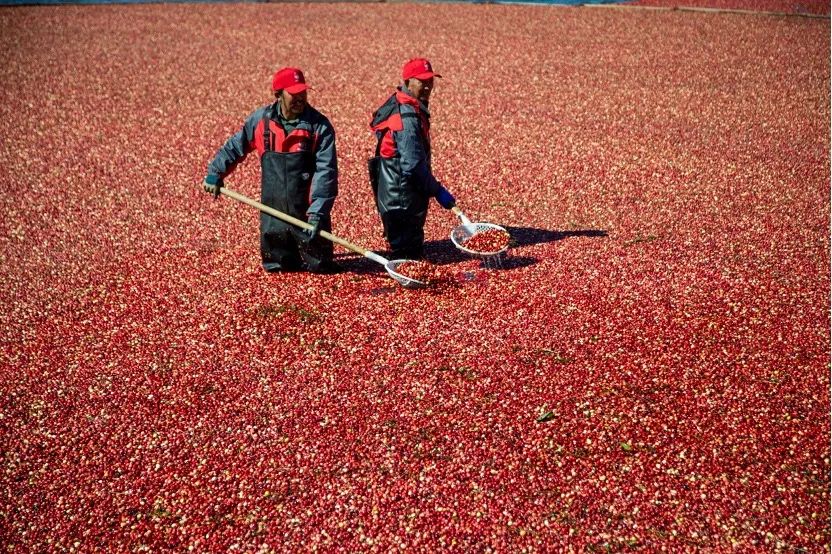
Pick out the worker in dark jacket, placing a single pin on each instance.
(400, 172)
(299, 174)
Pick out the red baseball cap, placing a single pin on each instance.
(289, 79)
(419, 68)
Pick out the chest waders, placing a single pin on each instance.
(401, 203)
(286, 178)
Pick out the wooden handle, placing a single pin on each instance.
(293, 220)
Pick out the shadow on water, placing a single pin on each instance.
(443, 252)
(526, 236)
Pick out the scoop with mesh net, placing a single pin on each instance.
(392, 266)
(462, 234)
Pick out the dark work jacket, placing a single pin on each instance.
(400, 172)
(299, 169)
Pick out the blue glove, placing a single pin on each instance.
(310, 234)
(212, 184)
(445, 198)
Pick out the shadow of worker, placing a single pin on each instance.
(527, 236)
(443, 251)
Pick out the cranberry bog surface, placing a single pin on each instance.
(647, 370)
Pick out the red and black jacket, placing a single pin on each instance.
(387, 120)
(400, 172)
(313, 135)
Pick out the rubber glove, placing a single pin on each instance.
(212, 184)
(310, 234)
(445, 198)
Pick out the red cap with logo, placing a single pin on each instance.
(289, 79)
(418, 68)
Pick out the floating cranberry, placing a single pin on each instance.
(649, 372)
(418, 270)
(488, 241)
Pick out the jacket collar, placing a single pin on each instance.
(404, 96)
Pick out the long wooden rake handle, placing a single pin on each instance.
(389, 266)
(299, 223)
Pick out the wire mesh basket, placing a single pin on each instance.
(462, 234)
(408, 282)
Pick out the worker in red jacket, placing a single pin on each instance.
(400, 172)
(299, 174)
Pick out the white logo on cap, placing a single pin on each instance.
(297, 77)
